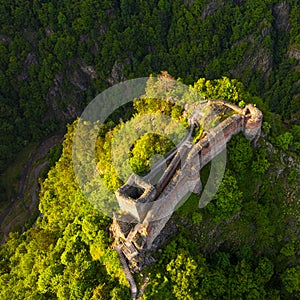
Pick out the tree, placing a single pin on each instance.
(184, 273)
(145, 148)
(240, 154)
(291, 280)
(221, 89)
(284, 140)
(227, 201)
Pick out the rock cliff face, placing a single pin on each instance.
(257, 57)
(151, 206)
(59, 68)
(65, 97)
(253, 122)
(294, 52)
(281, 12)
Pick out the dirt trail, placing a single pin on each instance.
(29, 176)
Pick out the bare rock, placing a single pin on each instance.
(79, 80)
(262, 61)
(48, 31)
(281, 12)
(4, 39)
(31, 59)
(258, 57)
(212, 7)
(89, 70)
(116, 73)
(294, 52)
(65, 105)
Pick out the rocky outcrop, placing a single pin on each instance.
(79, 81)
(294, 52)
(117, 73)
(211, 7)
(281, 13)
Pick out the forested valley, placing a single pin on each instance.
(55, 57)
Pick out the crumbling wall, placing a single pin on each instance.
(253, 122)
(188, 176)
(133, 205)
(155, 205)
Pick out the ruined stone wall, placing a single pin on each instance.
(178, 190)
(180, 178)
(219, 136)
(183, 184)
(128, 203)
(127, 272)
(253, 122)
(207, 148)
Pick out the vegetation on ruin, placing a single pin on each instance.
(243, 244)
(55, 56)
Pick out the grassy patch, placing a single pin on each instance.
(189, 206)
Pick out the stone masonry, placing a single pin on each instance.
(147, 207)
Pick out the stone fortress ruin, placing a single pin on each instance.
(147, 203)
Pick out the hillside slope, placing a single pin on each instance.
(243, 245)
(55, 57)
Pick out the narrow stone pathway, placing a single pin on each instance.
(128, 274)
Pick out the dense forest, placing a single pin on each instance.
(242, 245)
(55, 57)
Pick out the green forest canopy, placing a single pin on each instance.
(56, 56)
(243, 245)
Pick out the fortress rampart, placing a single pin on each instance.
(151, 205)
